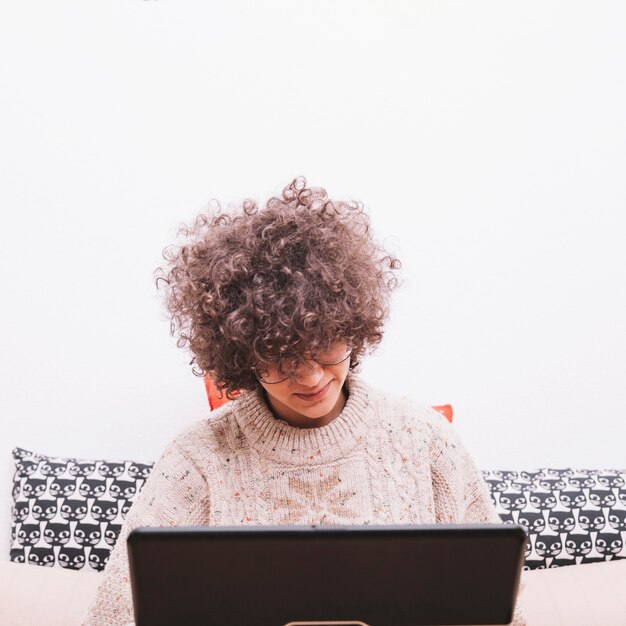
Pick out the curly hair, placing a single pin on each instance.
(250, 285)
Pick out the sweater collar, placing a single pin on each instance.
(276, 439)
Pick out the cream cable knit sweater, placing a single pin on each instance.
(383, 460)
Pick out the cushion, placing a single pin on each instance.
(576, 596)
(572, 516)
(216, 397)
(445, 410)
(68, 512)
(44, 596)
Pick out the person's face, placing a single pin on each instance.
(314, 395)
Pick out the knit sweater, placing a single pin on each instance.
(383, 460)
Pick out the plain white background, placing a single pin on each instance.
(486, 139)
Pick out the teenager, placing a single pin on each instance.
(280, 304)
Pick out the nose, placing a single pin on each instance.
(309, 373)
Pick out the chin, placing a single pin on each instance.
(322, 408)
(318, 413)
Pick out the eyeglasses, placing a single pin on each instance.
(272, 373)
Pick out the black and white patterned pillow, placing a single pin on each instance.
(572, 516)
(69, 512)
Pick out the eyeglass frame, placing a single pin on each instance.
(349, 348)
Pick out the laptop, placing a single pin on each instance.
(326, 575)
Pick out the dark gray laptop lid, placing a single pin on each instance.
(377, 575)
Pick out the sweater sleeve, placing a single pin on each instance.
(175, 494)
(460, 492)
(461, 495)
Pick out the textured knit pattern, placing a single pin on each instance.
(383, 460)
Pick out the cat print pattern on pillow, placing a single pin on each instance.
(68, 512)
(572, 516)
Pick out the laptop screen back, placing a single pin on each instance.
(381, 576)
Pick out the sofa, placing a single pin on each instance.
(583, 595)
(67, 513)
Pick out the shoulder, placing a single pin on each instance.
(401, 411)
(197, 442)
(405, 408)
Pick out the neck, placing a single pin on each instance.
(298, 420)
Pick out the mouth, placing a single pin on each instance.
(317, 395)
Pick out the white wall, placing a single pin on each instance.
(487, 139)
